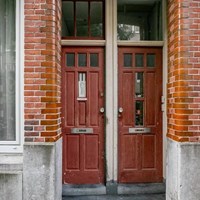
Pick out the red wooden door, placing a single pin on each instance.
(140, 115)
(83, 113)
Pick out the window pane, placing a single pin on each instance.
(82, 18)
(70, 60)
(151, 60)
(96, 24)
(139, 60)
(139, 84)
(139, 20)
(94, 60)
(127, 60)
(7, 70)
(67, 18)
(139, 120)
(82, 59)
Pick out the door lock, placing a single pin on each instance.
(102, 110)
(120, 110)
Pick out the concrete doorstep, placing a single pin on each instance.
(153, 191)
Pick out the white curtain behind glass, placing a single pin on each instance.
(7, 70)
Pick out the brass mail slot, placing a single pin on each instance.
(139, 130)
(81, 130)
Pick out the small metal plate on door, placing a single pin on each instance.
(139, 130)
(82, 130)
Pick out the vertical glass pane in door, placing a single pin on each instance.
(82, 59)
(151, 60)
(96, 19)
(82, 18)
(139, 109)
(127, 60)
(139, 60)
(139, 84)
(70, 60)
(94, 60)
(67, 18)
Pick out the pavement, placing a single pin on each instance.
(118, 197)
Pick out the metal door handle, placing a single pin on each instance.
(120, 110)
(102, 110)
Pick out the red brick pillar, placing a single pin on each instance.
(184, 70)
(42, 70)
(183, 99)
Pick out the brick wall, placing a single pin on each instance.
(184, 70)
(42, 70)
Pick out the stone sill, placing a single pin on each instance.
(11, 163)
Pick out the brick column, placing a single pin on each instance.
(42, 70)
(42, 169)
(183, 99)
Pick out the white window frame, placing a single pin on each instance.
(17, 145)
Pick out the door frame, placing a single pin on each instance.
(111, 83)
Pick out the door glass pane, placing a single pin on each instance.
(96, 23)
(139, 20)
(139, 119)
(82, 85)
(151, 60)
(127, 60)
(82, 59)
(70, 60)
(139, 60)
(139, 84)
(82, 18)
(94, 60)
(67, 18)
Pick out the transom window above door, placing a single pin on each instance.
(139, 20)
(83, 19)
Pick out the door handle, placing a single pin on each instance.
(102, 110)
(120, 110)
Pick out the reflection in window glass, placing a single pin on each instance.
(82, 18)
(139, 20)
(70, 60)
(139, 60)
(67, 18)
(8, 70)
(139, 84)
(151, 60)
(139, 119)
(96, 23)
(82, 59)
(94, 60)
(127, 60)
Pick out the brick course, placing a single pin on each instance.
(184, 70)
(42, 70)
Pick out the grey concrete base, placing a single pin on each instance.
(11, 167)
(112, 188)
(42, 177)
(78, 190)
(150, 188)
(183, 171)
(11, 186)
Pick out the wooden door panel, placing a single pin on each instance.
(82, 97)
(94, 99)
(73, 148)
(140, 91)
(148, 152)
(91, 152)
(129, 152)
(150, 97)
(69, 99)
(127, 98)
